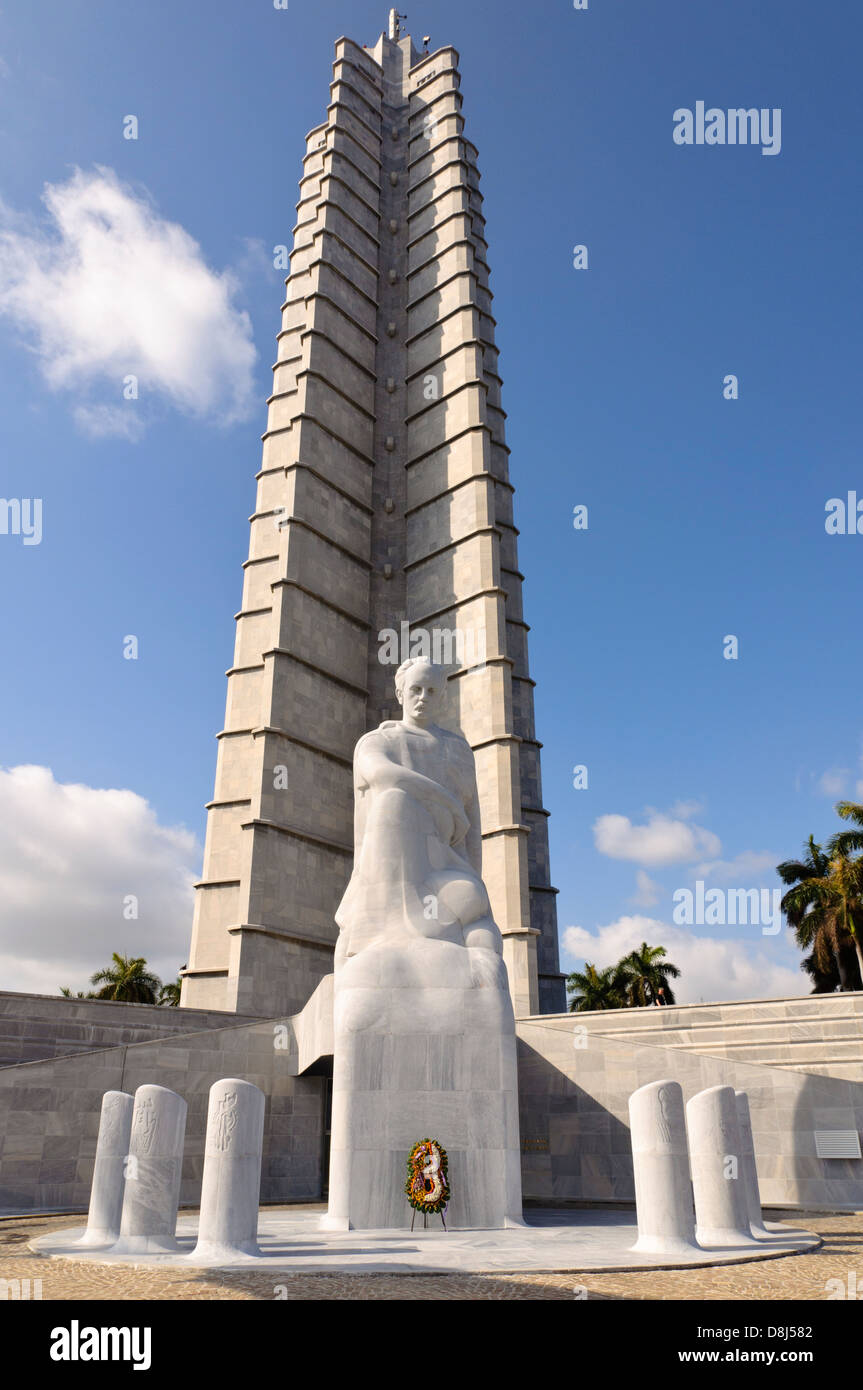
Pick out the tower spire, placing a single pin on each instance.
(383, 515)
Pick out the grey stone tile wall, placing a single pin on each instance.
(575, 1128)
(35, 1027)
(49, 1112)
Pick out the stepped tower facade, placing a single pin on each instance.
(383, 526)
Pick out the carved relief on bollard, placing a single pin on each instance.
(660, 1159)
(224, 1120)
(231, 1186)
(153, 1172)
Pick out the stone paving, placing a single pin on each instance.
(796, 1277)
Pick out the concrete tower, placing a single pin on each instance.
(383, 521)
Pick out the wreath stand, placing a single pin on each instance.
(426, 1218)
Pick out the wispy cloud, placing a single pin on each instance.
(647, 890)
(110, 289)
(662, 840)
(748, 867)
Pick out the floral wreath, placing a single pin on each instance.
(427, 1188)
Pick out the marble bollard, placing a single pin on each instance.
(747, 1163)
(660, 1158)
(109, 1172)
(231, 1188)
(721, 1207)
(153, 1173)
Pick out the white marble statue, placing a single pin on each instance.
(417, 844)
(424, 1029)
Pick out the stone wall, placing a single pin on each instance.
(34, 1027)
(574, 1092)
(820, 1033)
(573, 1101)
(49, 1112)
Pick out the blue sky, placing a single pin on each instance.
(706, 516)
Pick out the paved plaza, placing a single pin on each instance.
(800, 1276)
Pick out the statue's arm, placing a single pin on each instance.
(376, 768)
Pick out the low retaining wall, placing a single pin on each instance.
(574, 1093)
(36, 1027)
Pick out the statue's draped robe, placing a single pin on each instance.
(412, 877)
(423, 1028)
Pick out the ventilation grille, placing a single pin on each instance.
(837, 1143)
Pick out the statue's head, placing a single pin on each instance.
(420, 687)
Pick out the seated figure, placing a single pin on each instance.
(424, 1034)
(417, 845)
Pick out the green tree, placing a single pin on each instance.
(847, 841)
(596, 989)
(127, 981)
(67, 993)
(846, 873)
(818, 912)
(824, 980)
(169, 994)
(645, 972)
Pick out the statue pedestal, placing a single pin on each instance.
(424, 1048)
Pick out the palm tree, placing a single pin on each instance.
(846, 841)
(847, 873)
(596, 989)
(645, 973)
(67, 993)
(808, 908)
(127, 981)
(821, 907)
(824, 981)
(845, 881)
(169, 994)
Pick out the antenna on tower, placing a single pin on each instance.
(395, 25)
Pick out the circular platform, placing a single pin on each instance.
(550, 1241)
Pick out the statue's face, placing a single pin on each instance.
(422, 694)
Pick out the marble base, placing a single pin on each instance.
(424, 1048)
(290, 1240)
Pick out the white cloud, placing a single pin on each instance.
(663, 840)
(113, 289)
(647, 890)
(69, 857)
(713, 969)
(746, 867)
(834, 781)
(109, 421)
